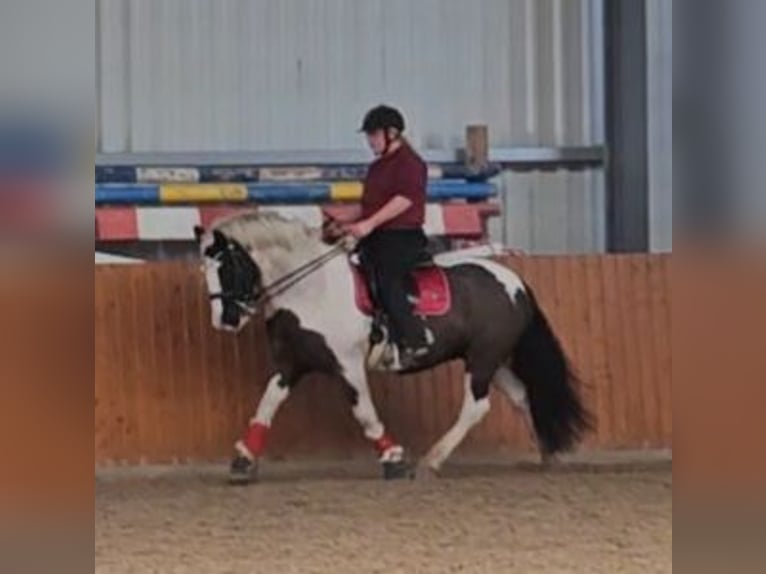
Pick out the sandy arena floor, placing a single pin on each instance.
(603, 515)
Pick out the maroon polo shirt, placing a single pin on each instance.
(402, 172)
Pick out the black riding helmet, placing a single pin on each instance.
(382, 118)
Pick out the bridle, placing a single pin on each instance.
(233, 254)
(249, 302)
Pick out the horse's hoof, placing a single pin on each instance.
(549, 461)
(426, 473)
(396, 470)
(242, 471)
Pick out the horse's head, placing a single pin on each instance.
(234, 280)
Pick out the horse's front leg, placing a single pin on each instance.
(390, 453)
(250, 447)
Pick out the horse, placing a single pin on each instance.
(261, 263)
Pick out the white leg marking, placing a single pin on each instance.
(470, 414)
(271, 400)
(513, 388)
(364, 411)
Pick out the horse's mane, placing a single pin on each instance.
(265, 231)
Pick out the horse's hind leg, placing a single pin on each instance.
(475, 407)
(513, 388)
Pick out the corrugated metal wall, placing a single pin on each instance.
(660, 112)
(205, 75)
(46, 51)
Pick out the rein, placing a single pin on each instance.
(297, 275)
(251, 303)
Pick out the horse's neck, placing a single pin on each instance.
(323, 302)
(327, 289)
(276, 263)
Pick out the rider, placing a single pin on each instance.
(390, 229)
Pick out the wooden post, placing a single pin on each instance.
(477, 148)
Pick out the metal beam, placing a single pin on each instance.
(627, 187)
(511, 158)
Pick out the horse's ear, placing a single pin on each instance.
(199, 231)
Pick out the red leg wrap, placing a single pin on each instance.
(383, 444)
(255, 438)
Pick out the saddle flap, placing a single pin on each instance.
(433, 294)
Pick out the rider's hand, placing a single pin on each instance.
(332, 231)
(360, 229)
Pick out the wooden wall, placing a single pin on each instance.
(170, 388)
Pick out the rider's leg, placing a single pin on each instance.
(395, 257)
(405, 327)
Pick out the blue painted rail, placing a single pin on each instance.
(288, 193)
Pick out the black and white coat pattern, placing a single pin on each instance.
(495, 325)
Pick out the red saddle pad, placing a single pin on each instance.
(434, 297)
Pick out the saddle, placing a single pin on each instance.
(429, 288)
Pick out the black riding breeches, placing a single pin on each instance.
(391, 255)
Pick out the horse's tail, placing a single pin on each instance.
(558, 414)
